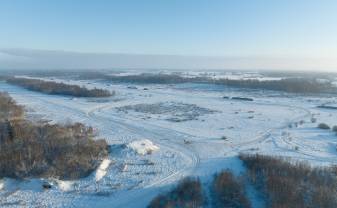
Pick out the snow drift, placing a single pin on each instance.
(143, 147)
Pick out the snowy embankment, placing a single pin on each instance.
(102, 169)
(2, 184)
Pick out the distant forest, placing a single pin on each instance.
(291, 85)
(294, 83)
(55, 88)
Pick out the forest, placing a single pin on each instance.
(305, 85)
(278, 181)
(55, 88)
(29, 149)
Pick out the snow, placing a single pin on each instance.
(102, 169)
(208, 74)
(136, 122)
(65, 185)
(143, 146)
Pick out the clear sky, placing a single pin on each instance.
(271, 29)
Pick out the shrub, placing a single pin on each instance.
(323, 126)
(334, 128)
(228, 191)
(31, 150)
(187, 194)
(224, 138)
(55, 88)
(9, 110)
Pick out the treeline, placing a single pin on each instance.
(188, 193)
(292, 85)
(292, 185)
(28, 149)
(147, 78)
(9, 110)
(144, 78)
(278, 182)
(226, 191)
(294, 82)
(55, 88)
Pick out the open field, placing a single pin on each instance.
(161, 133)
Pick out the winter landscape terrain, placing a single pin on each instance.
(160, 133)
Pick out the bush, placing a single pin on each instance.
(9, 110)
(228, 191)
(292, 185)
(55, 88)
(187, 194)
(31, 150)
(323, 126)
(224, 138)
(334, 128)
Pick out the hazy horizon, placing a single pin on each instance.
(28, 59)
(249, 35)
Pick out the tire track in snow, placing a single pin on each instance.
(264, 136)
(162, 136)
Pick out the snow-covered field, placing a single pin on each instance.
(166, 132)
(209, 74)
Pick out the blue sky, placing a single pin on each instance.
(228, 28)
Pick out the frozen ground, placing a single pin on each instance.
(166, 132)
(209, 74)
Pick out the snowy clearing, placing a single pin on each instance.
(189, 129)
